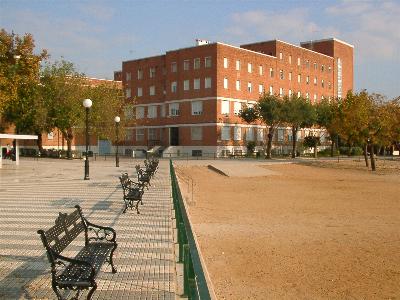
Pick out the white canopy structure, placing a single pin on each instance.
(15, 137)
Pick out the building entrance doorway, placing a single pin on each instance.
(174, 136)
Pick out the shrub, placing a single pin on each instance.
(251, 146)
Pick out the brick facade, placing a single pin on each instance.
(178, 97)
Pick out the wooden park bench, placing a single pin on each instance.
(133, 192)
(77, 273)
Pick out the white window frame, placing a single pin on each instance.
(174, 67)
(128, 92)
(249, 87)
(207, 62)
(238, 85)
(237, 107)
(237, 65)
(186, 85)
(139, 91)
(290, 76)
(139, 134)
(260, 134)
(237, 133)
(197, 108)
(196, 83)
(128, 76)
(298, 61)
(152, 72)
(139, 74)
(280, 92)
(186, 65)
(226, 63)
(207, 83)
(225, 83)
(280, 55)
(152, 90)
(299, 78)
(196, 63)
(271, 72)
(290, 59)
(260, 70)
(271, 89)
(174, 87)
(196, 133)
(139, 112)
(250, 134)
(152, 111)
(225, 133)
(225, 107)
(260, 89)
(249, 67)
(173, 109)
(152, 134)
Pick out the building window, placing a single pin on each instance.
(339, 78)
(315, 80)
(186, 85)
(196, 83)
(315, 98)
(237, 107)
(196, 63)
(140, 134)
(174, 109)
(237, 133)
(128, 134)
(249, 87)
(250, 134)
(140, 112)
(225, 107)
(298, 61)
(152, 72)
(271, 90)
(152, 111)
(225, 133)
(225, 63)
(298, 78)
(329, 85)
(238, 85)
(197, 153)
(260, 70)
(307, 62)
(186, 65)
(260, 134)
(207, 62)
(290, 59)
(225, 83)
(329, 69)
(315, 66)
(174, 86)
(152, 90)
(152, 134)
(322, 68)
(281, 92)
(128, 93)
(290, 93)
(322, 83)
(298, 94)
(128, 113)
(281, 76)
(249, 67)
(163, 110)
(307, 96)
(174, 67)
(139, 92)
(290, 76)
(307, 79)
(280, 55)
(197, 108)
(260, 89)
(271, 72)
(280, 134)
(140, 74)
(207, 82)
(196, 133)
(238, 65)
(128, 76)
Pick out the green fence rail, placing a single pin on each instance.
(194, 281)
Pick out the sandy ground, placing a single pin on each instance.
(319, 230)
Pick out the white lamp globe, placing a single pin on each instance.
(117, 119)
(87, 103)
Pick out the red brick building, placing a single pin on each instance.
(187, 101)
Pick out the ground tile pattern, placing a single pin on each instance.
(32, 195)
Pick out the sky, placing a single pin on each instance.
(98, 35)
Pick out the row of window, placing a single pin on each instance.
(238, 65)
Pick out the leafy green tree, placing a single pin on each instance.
(19, 67)
(268, 110)
(312, 141)
(298, 113)
(326, 116)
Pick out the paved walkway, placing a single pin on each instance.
(31, 196)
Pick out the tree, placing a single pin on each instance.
(19, 67)
(298, 113)
(63, 90)
(267, 110)
(326, 112)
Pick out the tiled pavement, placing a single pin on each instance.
(31, 196)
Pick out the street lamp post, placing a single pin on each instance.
(117, 119)
(87, 103)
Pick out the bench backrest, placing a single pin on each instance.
(67, 227)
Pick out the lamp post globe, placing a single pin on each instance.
(87, 103)
(117, 120)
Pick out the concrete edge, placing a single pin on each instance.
(212, 168)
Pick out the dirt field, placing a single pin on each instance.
(315, 231)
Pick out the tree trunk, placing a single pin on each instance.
(366, 155)
(372, 155)
(315, 150)
(39, 142)
(69, 136)
(269, 142)
(294, 140)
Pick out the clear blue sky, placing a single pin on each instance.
(98, 35)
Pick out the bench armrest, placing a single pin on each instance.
(101, 233)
